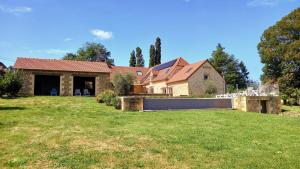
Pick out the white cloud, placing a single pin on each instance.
(50, 51)
(270, 3)
(101, 34)
(15, 10)
(68, 39)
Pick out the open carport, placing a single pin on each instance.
(84, 83)
(43, 84)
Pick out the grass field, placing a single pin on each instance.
(76, 132)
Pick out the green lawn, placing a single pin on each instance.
(76, 132)
(293, 111)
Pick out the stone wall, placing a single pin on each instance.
(140, 103)
(66, 84)
(132, 103)
(28, 84)
(66, 81)
(197, 84)
(239, 103)
(102, 82)
(254, 103)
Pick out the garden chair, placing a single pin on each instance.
(77, 92)
(86, 92)
(53, 92)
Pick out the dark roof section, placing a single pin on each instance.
(165, 72)
(165, 65)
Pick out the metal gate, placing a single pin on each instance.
(186, 103)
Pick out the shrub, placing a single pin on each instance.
(99, 98)
(123, 83)
(2, 89)
(116, 102)
(210, 90)
(106, 97)
(11, 83)
(291, 99)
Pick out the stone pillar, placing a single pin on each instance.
(32, 77)
(71, 85)
(101, 82)
(132, 103)
(61, 85)
(66, 84)
(97, 85)
(28, 84)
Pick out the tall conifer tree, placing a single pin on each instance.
(132, 61)
(152, 56)
(139, 57)
(158, 51)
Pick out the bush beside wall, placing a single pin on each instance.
(109, 98)
(11, 83)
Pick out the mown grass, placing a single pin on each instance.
(76, 132)
(293, 111)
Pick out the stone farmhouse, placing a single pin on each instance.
(179, 78)
(67, 78)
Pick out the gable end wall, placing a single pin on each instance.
(197, 84)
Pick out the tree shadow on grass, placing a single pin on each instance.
(8, 124)
(11, 108)
(13, 97)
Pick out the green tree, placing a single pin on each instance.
(280, 54)
(233, 77)
(152, 56)
(93, 52)
(11, 83)
(70, 56)
(132, 61)
(157, 51)
(139, 58)
(234, 72)
(211, 90)
(244, 74)
(219, 59)
(123, 83)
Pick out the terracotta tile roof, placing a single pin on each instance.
(166, 73)
(125, 69)
(186, 71)
(61, 65)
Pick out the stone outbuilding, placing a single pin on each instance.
(260, 104)
(41, 76)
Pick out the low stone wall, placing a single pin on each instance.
(136, 103)
(186, 103)
(271, 104)
(256, 103)
(132, 103)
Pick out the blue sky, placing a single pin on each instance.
(188, 28)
